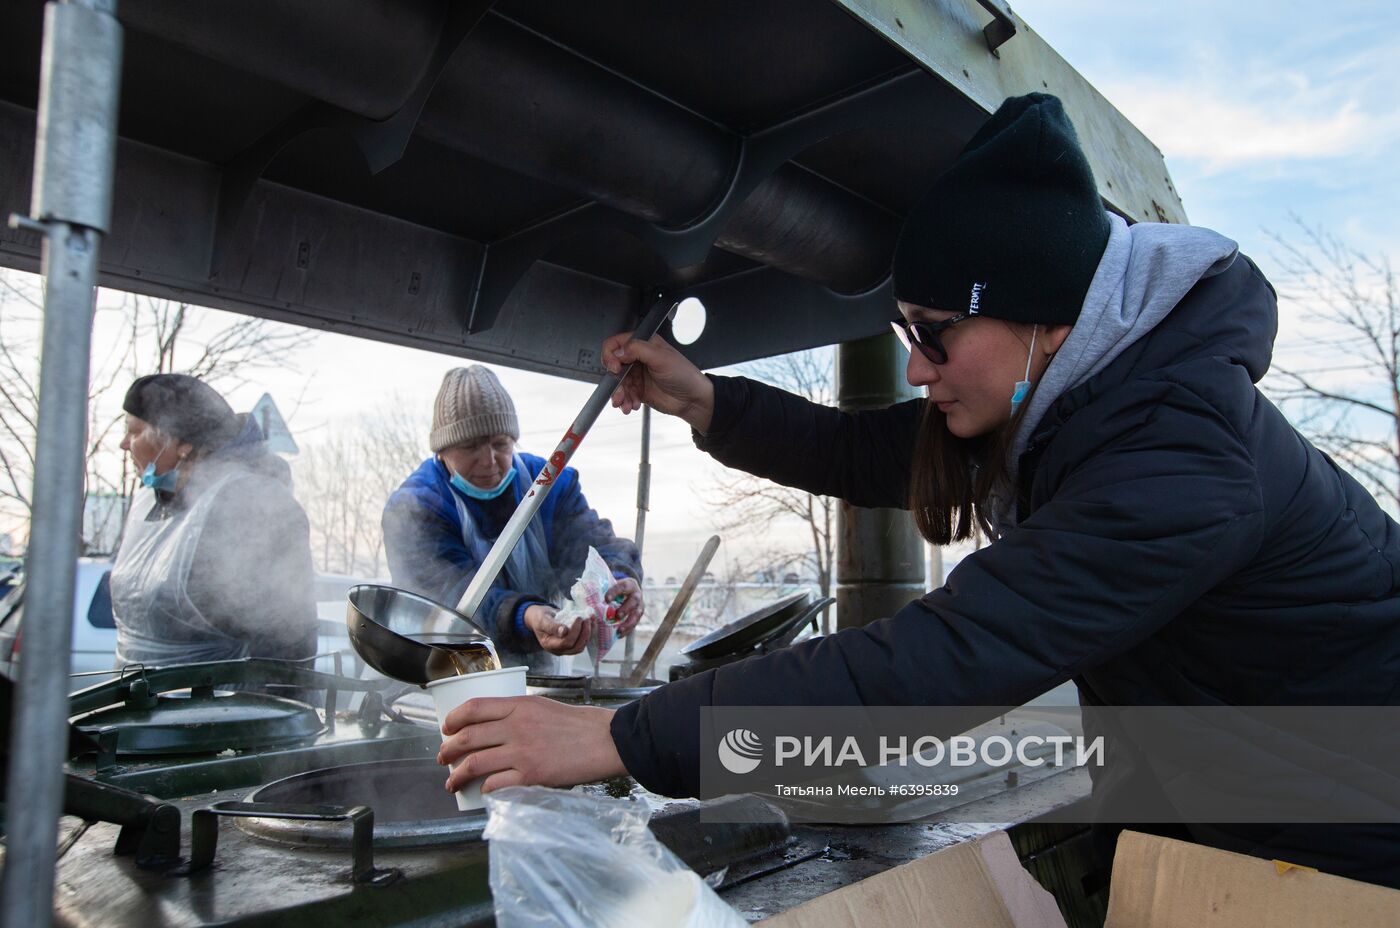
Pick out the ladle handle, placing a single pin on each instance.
(673, 615)
(495, 559)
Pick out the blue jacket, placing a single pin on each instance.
(427, 553)
(1179, 543)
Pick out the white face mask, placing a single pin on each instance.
(1023, 386)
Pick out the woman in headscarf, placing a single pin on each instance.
(215, 558)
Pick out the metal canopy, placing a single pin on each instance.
(505, 181)
(511, 181)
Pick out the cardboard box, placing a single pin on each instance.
(978, 884)
(1161, 883)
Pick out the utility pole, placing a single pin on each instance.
(879, 555)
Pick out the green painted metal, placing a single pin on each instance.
(946, 37)
(138, 683)
(199, 741)
(879, 554)
(1061, 858)
(169, 777)
(203, 721)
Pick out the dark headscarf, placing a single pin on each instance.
(183, 407)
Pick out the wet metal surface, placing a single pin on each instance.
(825, 858)
(253, 880)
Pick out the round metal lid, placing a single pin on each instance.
(205, 722)
(411, 808)
(586, 689)
(751, 630)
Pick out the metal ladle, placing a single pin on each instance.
(397, 633)
(374, 611)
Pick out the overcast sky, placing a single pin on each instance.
(1261, 110)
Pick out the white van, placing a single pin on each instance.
(95, 630)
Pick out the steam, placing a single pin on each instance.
(221, 571)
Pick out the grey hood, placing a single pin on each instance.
(1145, 271)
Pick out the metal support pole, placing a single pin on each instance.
(879, 555)
(74, 153)
(643, 506)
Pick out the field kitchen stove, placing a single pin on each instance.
(170, 732)
(378, 843)
(190, 805)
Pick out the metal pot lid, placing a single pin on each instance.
(203, 721)
(580, 687)
(411, 808)
(746, 633)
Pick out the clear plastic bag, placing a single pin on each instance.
(588, 601)
(567, 859)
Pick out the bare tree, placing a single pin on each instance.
(19, 394)
(344, 479)
(1348, 401)
(754, 508)
(321, 473)
(136, 335)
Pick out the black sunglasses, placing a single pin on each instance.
(927, 336)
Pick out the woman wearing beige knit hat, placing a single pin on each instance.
(439, 526)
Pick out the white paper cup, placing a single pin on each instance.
(451, 692)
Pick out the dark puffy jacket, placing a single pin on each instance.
(1179, 544)
(427, 555)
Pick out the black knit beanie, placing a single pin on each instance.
(183, 407)
(1014, 229)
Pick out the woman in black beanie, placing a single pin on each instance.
(1162, 535)
(215, 558)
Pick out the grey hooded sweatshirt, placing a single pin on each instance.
(1145, 271)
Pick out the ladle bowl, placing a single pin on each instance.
(406, 636)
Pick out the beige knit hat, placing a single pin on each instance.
(471, 403)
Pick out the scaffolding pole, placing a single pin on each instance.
(72, 203)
